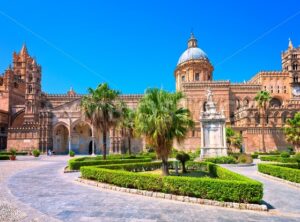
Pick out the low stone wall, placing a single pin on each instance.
(194, 200)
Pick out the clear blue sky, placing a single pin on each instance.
(136, 44)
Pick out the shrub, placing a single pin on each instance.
(4, 157)
(36, 153)
(75, 164)
(277, 159)
(222, 160)
(254, 156)
(13, 152)
(297, 159)
(283, 171)
(195, 154)
(183, 157)
(245, 158)
(230, 186)
(72, 153)
(285, 154)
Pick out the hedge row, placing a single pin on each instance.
(18, 153)
(222, 160)
(284, 171)
(278, 159)
(75, 164)
(4, 157)
(229, 187)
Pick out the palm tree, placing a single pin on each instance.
(292, 131)
(160, 119)
(233, 138)
(262, 98)
(101, 108)
(127, 122)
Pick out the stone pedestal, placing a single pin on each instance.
(213, 135)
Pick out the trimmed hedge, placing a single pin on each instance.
(285, 171)
(23, 153)
(222, 160)
(229, 186)
(4, 157)
(254, 156)
(75, 164)
(278, 159)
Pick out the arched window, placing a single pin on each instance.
(257, 118)
(30, 78)
(197, 76)
(246, 102)
(237, 103)
(204, 106)
(29, 89)
(295, 66)
(183, 78)
(274, 102)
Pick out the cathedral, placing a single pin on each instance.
(33, 119)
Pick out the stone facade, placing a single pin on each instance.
(31, 118)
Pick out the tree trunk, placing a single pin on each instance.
(104, 145)
(183, 167)
(263, 131)
(129, 145)
(165, 169)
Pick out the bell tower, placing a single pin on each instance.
(290, 60)
(31, 73)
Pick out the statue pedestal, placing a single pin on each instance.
(213, 135)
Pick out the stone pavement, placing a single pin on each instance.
(43, 189)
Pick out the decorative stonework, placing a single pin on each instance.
(213, 138)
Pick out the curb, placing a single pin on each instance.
(296, 185)
(70, 171)
(195, 200)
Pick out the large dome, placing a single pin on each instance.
(192, 53)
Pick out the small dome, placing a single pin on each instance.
(192, 53)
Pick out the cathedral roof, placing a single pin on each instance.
(193, 52)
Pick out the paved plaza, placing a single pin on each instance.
(38, 190)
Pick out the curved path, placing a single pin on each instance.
(54, 194)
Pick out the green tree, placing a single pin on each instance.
(128, 123)
(160, 119)
(292, 131)
(263, 98)
(183, 157)
(100, 106)
(233, 138)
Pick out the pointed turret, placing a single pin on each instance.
(290, 44)
(24, 50)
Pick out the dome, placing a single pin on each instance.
(192, 53)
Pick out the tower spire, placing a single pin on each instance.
(192, 43)
(290, 44)
(24, 50)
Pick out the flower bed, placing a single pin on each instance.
(276, 158)
(76, 163)
(226, 186)
(288, 172)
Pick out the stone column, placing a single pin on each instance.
(70, 139)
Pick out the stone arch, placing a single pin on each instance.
(81, 135)
(257, 118)
(275, 102)
(284, 117)
(61, 138)
(246, 101)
